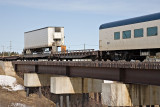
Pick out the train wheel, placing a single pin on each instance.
(142, 59)
(105, 59)
(99, 59)
(93, 59)
(116, 59)
(128, 58)
(71, 59)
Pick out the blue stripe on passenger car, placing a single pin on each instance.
(150, 17)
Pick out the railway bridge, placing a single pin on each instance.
(137, 82)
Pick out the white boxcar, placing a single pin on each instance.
(141, 33)
(44, 37)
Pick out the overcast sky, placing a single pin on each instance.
(81, 18)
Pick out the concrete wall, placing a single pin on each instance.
(7, 68)
(118, 94)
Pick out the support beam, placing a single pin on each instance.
(40, 92)
(27, 93)
(61, 100)
(83, 100)
(67, 101)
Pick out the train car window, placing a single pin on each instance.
(116, 35)
(138, 33)
(152, 31)
(57, 29)
(127, 34)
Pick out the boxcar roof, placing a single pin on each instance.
(41, 29)
(145, 18)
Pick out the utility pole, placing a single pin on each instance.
(3, 50)
(69, 48)
(10, 48)
(84, 46)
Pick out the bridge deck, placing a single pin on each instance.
(127, 72)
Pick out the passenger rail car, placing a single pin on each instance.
(133, 38)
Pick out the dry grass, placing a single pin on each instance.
(9, 97)
(1, 71)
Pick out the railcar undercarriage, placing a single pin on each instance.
(117, 55)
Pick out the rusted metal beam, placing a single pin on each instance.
(95, 72)
(142, 76)
(123, 64)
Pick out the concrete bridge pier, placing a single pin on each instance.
(119, 94)
(28, 90)
(74, 86)
(34, 80)
(64, 99)
(67, 101)
(61, 100)
(64, 87)
(40, 92)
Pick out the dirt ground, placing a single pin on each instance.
(1, 71)
(19, 99)
(7, 98)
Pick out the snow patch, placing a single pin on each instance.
(107, 81)
(10, 83)
(18, 105)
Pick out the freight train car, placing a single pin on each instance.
(37, 41)
(128, 39)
